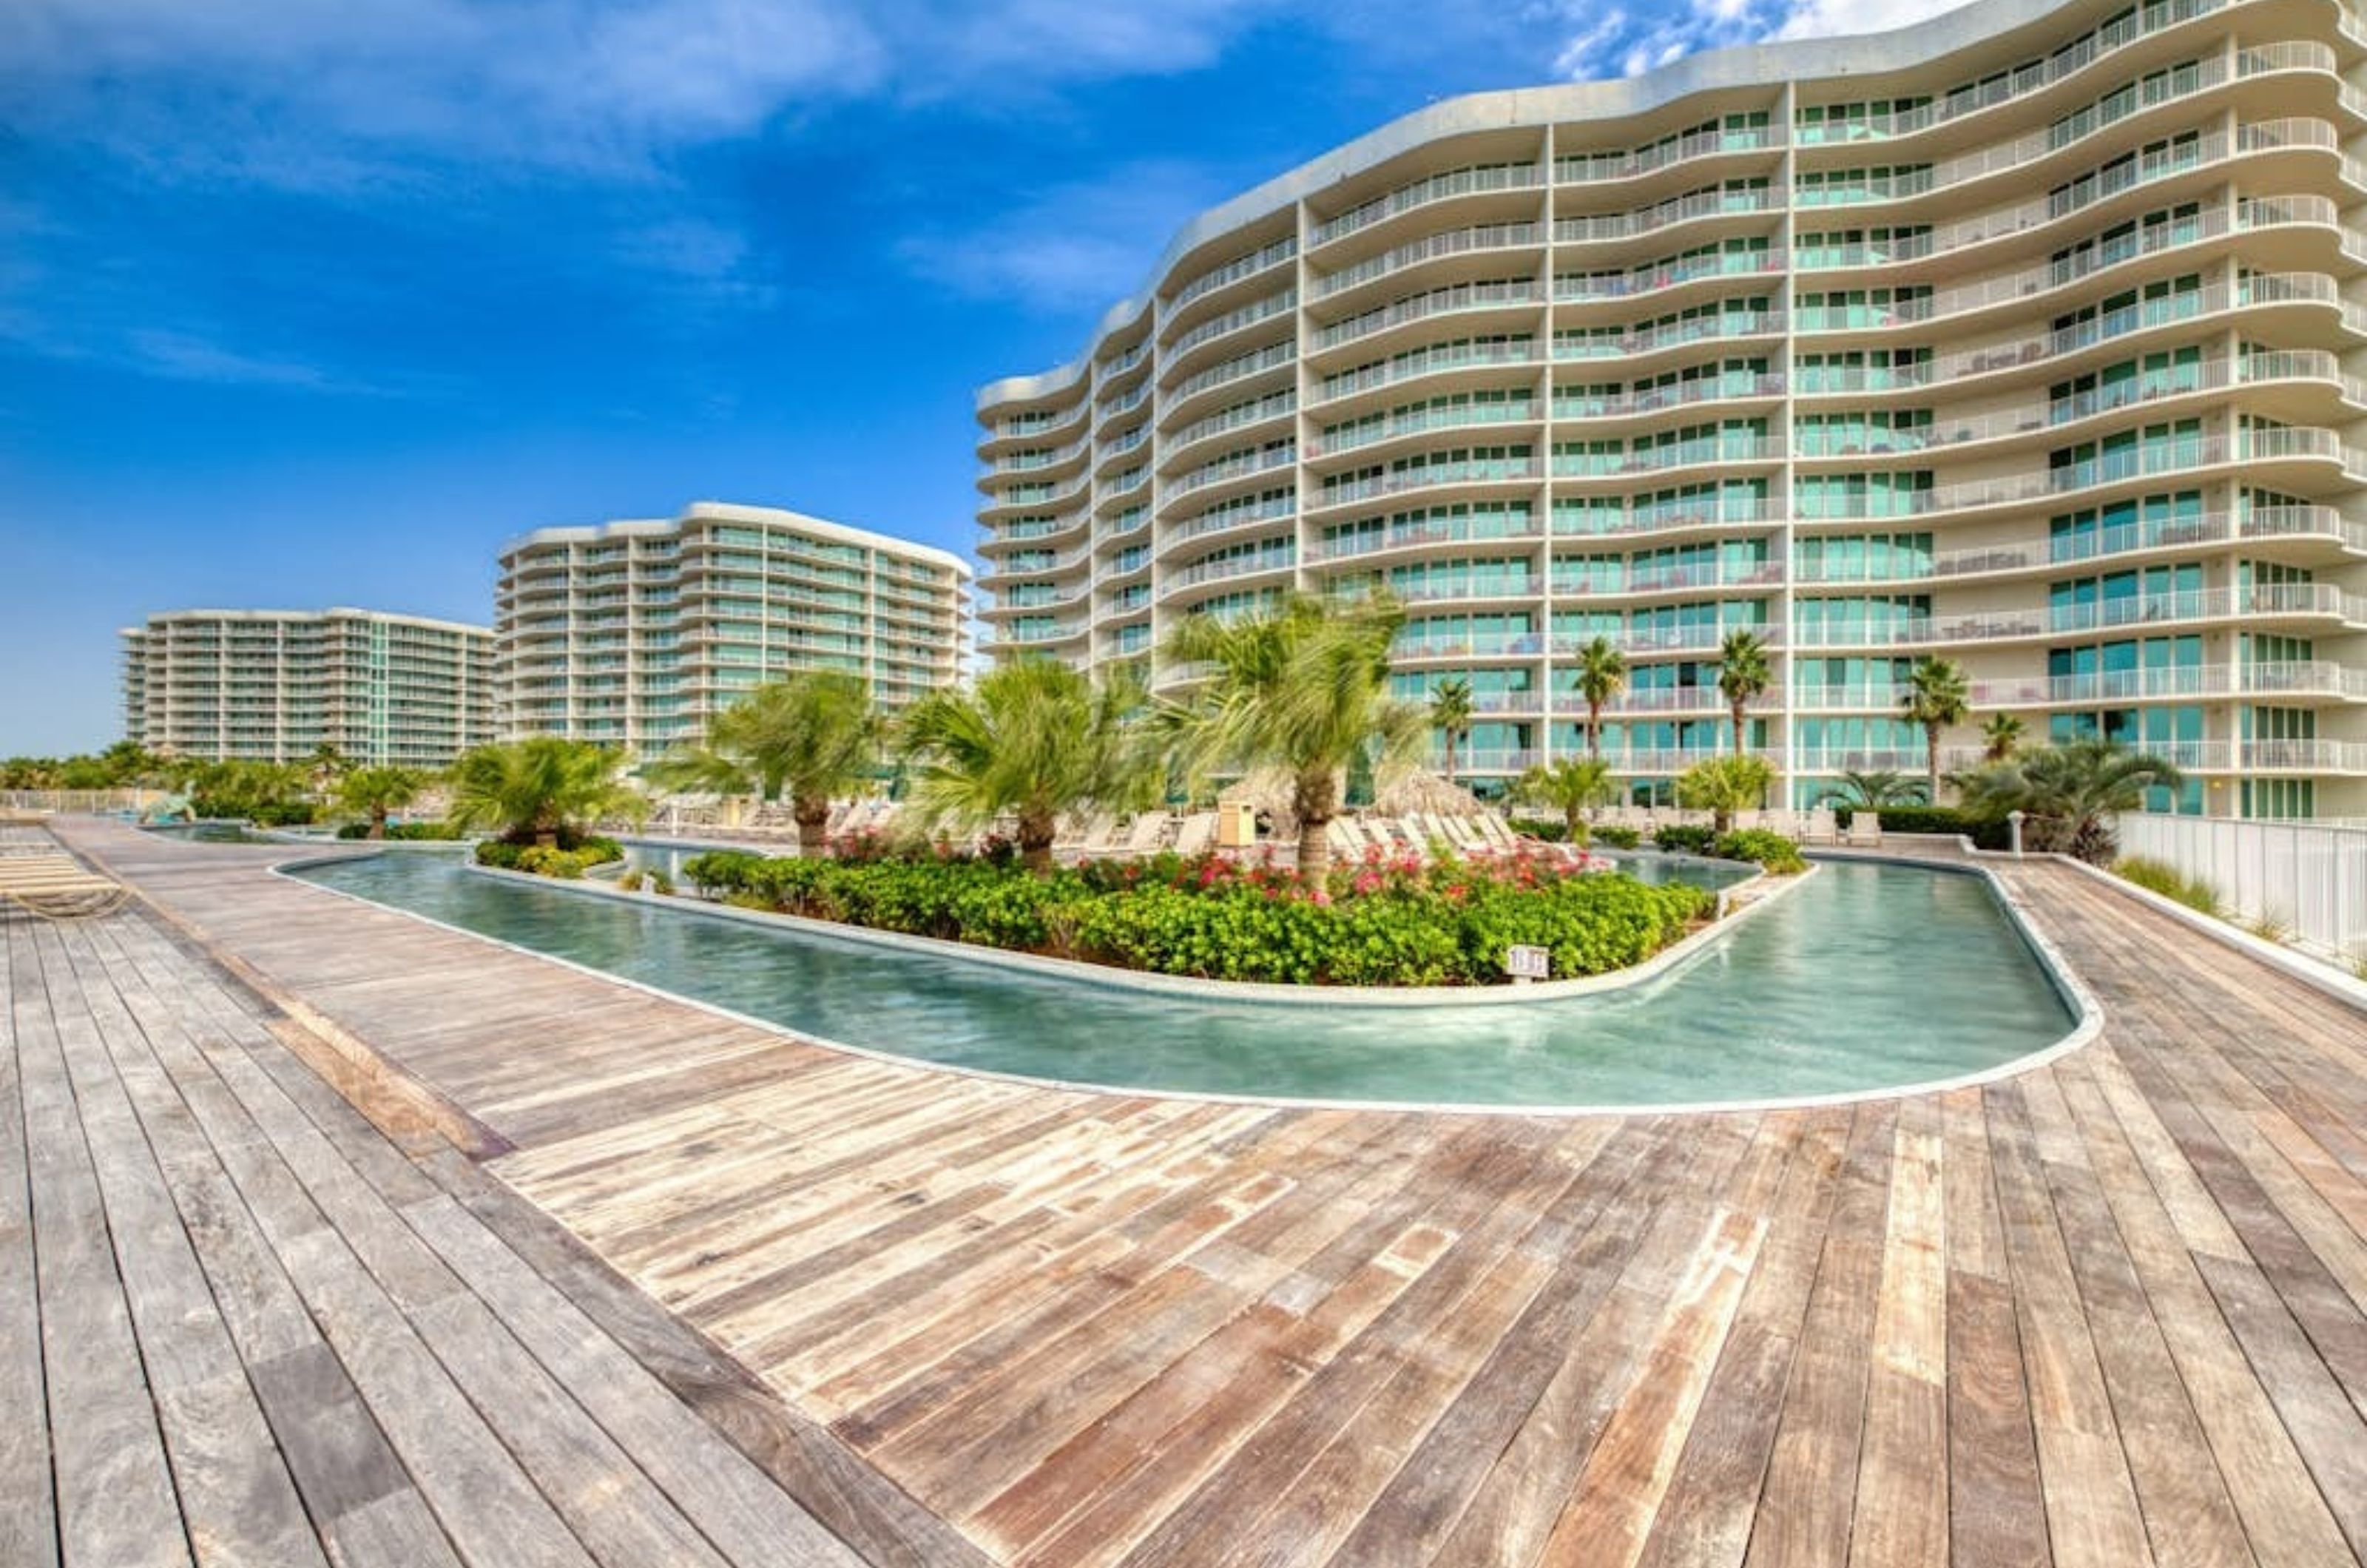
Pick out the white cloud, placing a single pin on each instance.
(326, 93)
(1075, 246)
(1834, 19)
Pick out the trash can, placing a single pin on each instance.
(1236, 827)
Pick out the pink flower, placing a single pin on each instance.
(1321, 896)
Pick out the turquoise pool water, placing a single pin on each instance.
(1867, 978)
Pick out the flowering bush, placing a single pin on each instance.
(1383, 920)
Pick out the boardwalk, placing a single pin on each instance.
(2106, 1312)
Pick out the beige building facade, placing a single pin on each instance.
(635, 633)
(277, 685)
(2034, 336)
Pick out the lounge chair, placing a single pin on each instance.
(56, 888)
(1347, 839)
(1820, 827)
(1148, 832)
(1864, 830)
(1197, 835)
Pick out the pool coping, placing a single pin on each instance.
(2089, 1014)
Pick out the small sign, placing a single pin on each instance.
(1528, 963)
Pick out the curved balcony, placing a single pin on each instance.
(1424, 538)
(2299, 604)
(1247, 415)
(1008, 431)
(1496, 645)
(1478, 180)
(2015, 86)
(1239, 270)
(2062, 351)
(1241, 370)
(1518, 295)
(2318, 678)
(1186, 349)
(1711, 452)
(1281, 561)
(2261, 142)
(1725, 327)
(1710, 515)
(1660, 641)
(1589, 289)
(1243, 518)
(2021, 154)
(1716, 141)
(1457, 358)
(1248, 464)
(1476, 472)
(2054, 422)
(1726, 389)
(1611, 228)
(1654, 582)
(1372, 435)
(1488, 241)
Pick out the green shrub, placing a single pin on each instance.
(658, 882)
(2160, 876)
(543, 860)
(1773, 851)
(630, 881)
(1374, 922)
(1619, 837)
(1684, 839)
(405, 832)
(1985, 832)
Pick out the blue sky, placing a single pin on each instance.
(307, 302)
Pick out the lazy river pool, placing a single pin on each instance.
(1868, 977)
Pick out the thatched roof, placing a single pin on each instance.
(1421, 791)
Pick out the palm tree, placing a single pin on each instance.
(813, 735)
(1032, 739)
(1450, 710)
(2001, 736)
(1875, 787)
(1724, 786)
(1602, 676)
(375, 792)
(1568, 786)
(1304, 688)
(326, 766)
(2067, 791)
(1938, 695)
(1744, 673)
(542, 789)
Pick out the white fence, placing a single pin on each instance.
(79, 801)
(2308, 876)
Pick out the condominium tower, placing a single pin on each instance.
(635, 632)
(2029, 336)
(275, 685)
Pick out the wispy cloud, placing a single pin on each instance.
(1599, 40)
(1076, 245)
(326, 94)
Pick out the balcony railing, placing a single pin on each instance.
(1458, 242)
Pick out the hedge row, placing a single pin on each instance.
(1370, 924)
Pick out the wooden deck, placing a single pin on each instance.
(2107, 1312)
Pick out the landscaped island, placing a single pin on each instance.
(1382, 922)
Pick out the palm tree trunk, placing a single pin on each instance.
(1450, 756)
(378, 822)
(1312, 804)
(1737, 729)
(1931, 760)
(1037, 831)
(811, 814)
(1595, 731)
(1570, 823)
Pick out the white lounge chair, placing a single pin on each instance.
(1197, 834)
